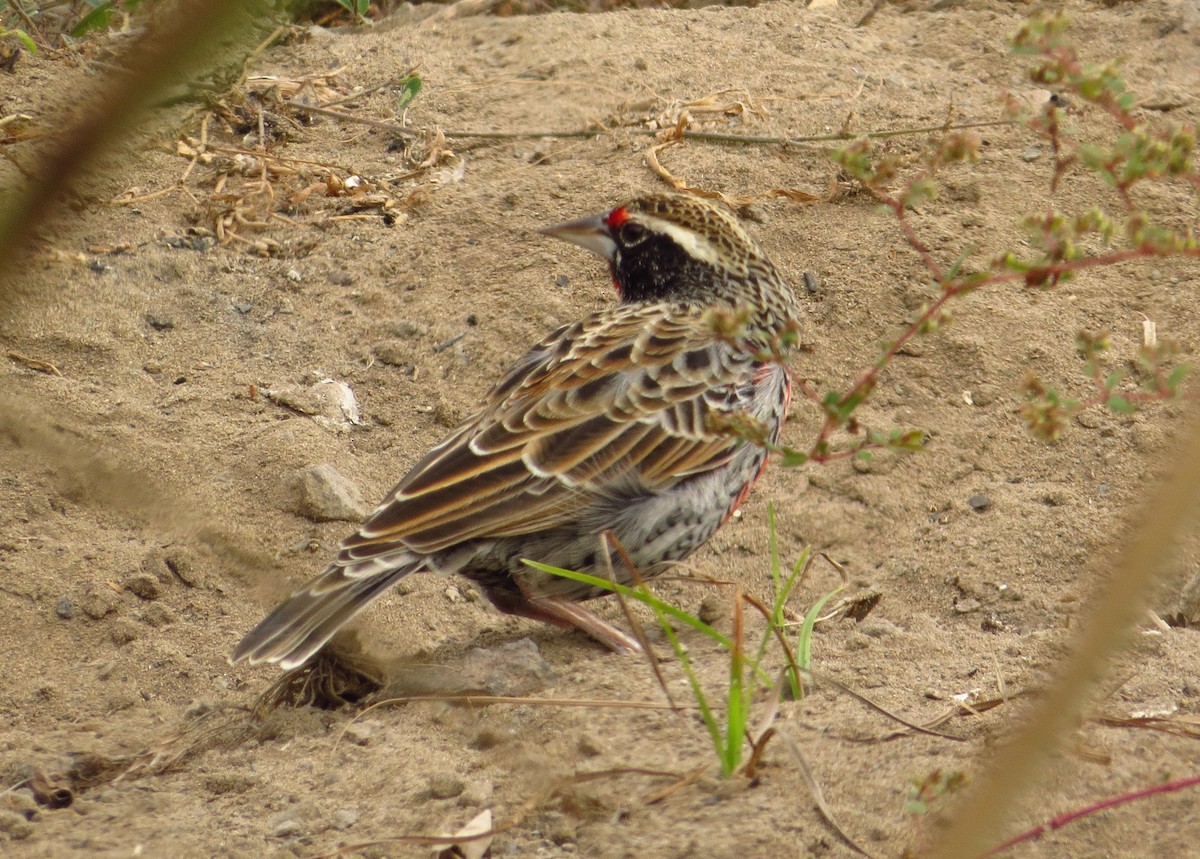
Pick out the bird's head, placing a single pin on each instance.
(676, 248)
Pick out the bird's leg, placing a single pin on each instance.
(561, 611)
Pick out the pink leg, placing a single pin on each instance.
(563, 612)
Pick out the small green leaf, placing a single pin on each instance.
(99, 18)
(25, 40)
(1120, 405)
(409, 87)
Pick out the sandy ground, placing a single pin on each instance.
(148, 511)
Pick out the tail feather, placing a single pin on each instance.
(306, 620)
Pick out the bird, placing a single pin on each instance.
(640, 426)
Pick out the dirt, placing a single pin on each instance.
(147, 509)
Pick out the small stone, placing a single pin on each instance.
(123, 631)
(713, 609)
(294, 276)
(966, 606)
(160, 323)
(144, 586)
(394, 353)
(227, 782)
(453, 594)
(858, 641)
(24, 803)
(64, 608)
(588, 747)
(99, 601)
(1033, 153)
(14, 825)
(361, 731)
(182, 564)
(516, 668)
(879, 628)
(287, 828)
(985, 395)
(344, 818)
(979, 502)
(158, 615)
(476, 794)
(297, 819)
(323, 494)
(445, 785)
(243, 307)
(410, 330)
(562, 281)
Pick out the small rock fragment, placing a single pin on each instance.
(158, 615)
(445, 785)
(14, 826)
(511, 669)
(64, 608)
(323, 494)
(361, 731)
(123, 631)
(979, 502)
(144, 586)
(344, 818)
(99, 601)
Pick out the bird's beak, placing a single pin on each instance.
(591, 233)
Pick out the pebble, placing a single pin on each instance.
(1033, 153)
(410, 330)
(159, 323)
(446, 785)
(966, 606)
(99, 601)
(64, 608)
(14, 825)
(516, 668)
(144, 586)
(158, 615)
(361, 731)
(123, 631)
(979, 502)
(344, 818)
(287, 828)
(324, 494)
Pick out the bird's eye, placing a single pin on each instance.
(631, 233)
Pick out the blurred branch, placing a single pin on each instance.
(176, 37)
(1106, 628)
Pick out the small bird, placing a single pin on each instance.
(617, 425)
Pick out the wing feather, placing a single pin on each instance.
(621, 397)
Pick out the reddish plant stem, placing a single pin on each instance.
(1062, 820)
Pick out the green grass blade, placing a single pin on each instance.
(639, 595)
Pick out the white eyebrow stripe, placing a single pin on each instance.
(695, 244)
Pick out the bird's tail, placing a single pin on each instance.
(302, 624)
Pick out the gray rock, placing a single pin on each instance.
(511, 669)
(324, 494)
(64, 608)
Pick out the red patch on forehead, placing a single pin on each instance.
(617, 217)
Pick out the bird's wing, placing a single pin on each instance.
(622, 398)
